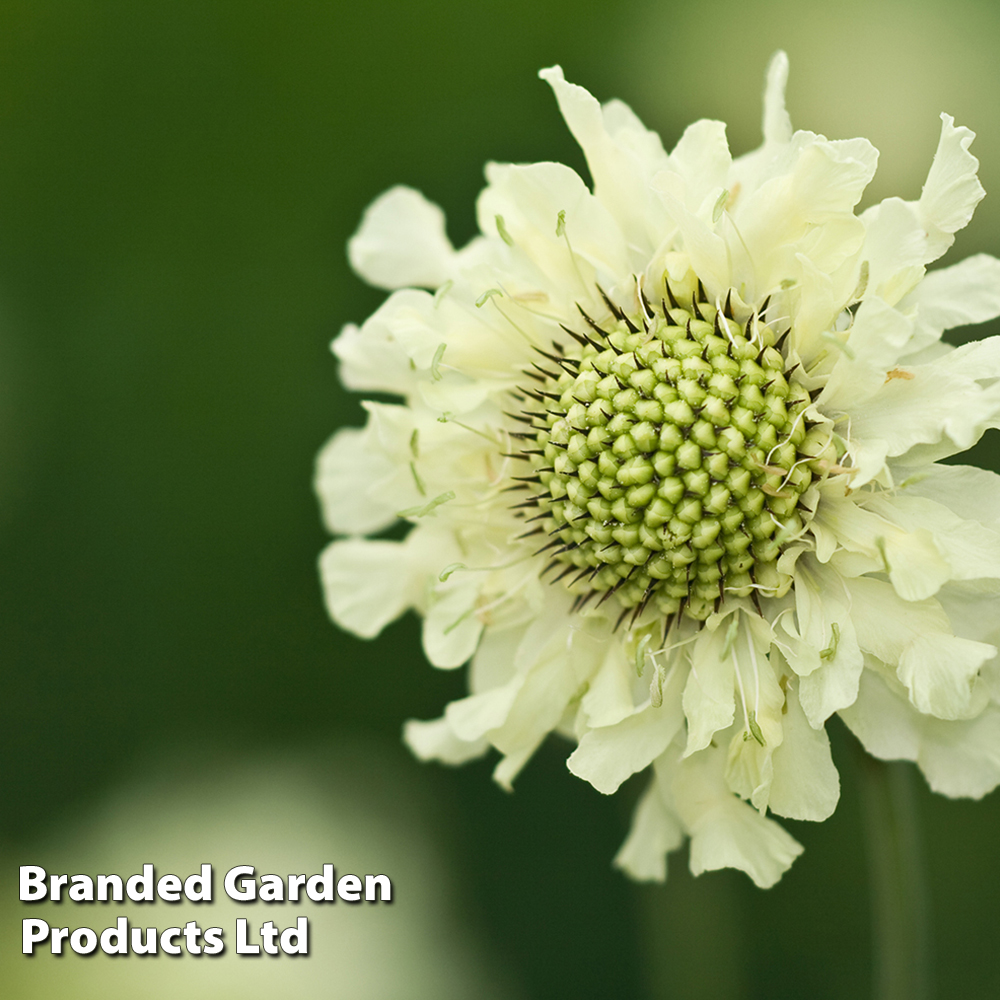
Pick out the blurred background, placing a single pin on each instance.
(177, 183)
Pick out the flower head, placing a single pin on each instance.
(669, 449)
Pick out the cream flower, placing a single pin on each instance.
(669, 452)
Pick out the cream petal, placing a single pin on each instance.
(709, 700)
(971, 493)
(777, 126)
(959, 759)
(435, 740)
(539, 705)
(978, 360)
(359, 485)
(973, 608)
(895, 249)
(371, 359)
(511, 765)
(962, 758)
(725, 831)
(971, 549)
(706, 249)
(939, 672)
(606, 756)
(925, 406)
(913, 562)
(937, 667)
(530, 199)
(877, 337)
(620, 166)
(654, 833)
(609, 697)
(805, 784)
(401, 242)
(808, 210)
(473, 717)
(451, 626)
(952, 189)
(824, 651)
(443, 334)
(965, 293)
(755, 735)
(702, 159)
(835, 684)
(883, 719)
(627, 130)
(493, 664)
(368, 584)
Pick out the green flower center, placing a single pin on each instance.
(666, 447)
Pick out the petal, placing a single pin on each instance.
(473, 717)
(895, 248)
(805, 783)
(609, 697)
(952, 190)
(401, 242)
(962, 758)
(709, 701)
(958, 758)
(435, 740)
(369, 584)
(360, 485)
(824, 652)
(530, 200)
(913, 562)
(777, 125)
(970, 492)
(610, 754)
(451, 626)
(442, 333)
(925, 406)
(620, 164)
(655, 832)
(937, 667)
(971, 549)
(965, 293)
(835, 684)
(877, 338)
(702, 159)
(370, 359)
(939, 672)
(725, 831)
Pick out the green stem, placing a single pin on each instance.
(900, 914)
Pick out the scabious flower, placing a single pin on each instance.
(669, 450)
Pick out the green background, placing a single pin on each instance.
(177, 184)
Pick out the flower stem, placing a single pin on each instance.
(900, 914)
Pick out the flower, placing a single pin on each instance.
(670, 453)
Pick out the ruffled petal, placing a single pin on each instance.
(709, 701)
(937, 668)
(359, 487)
(959, 759)
(369, 584)
(401, 242)
(655, 832)
(621, 164)
(952, 189)
(370, 359)
(725, 831)
(548, 214)
(608, 755)
(777, 126)
(805, 784)
(435, 740)
(967, 292)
